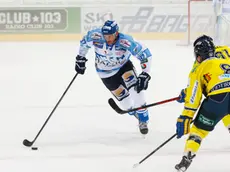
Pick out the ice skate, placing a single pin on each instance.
(185, 162)
(143, 126)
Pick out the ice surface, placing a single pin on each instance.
(85, 134)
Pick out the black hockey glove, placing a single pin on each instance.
(80, 64)
(142, 82)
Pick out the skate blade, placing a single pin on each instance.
(180, 170)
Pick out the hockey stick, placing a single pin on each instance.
(30, 143)
(154, 151)
(113, 104)
(137, 164)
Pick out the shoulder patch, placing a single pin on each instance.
(207, 77)
(125, 43)
(96, 36)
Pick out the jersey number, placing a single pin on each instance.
(225, 68)
(221, 55)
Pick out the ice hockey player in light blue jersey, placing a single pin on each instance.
(112, 61)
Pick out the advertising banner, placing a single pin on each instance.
(159, 21)
(38, 20)
(155, 20)
(39, 23)
(33, 20)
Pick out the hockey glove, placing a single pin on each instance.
(182, 96)
(80, 64)
(142, 82)
(183, 125)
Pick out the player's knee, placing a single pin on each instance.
(195, 138)
(198, 132)
(138, 98)
(123, 96)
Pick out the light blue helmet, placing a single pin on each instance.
(110, 27)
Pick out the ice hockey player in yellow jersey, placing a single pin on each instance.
(222, 52)
(209, 77)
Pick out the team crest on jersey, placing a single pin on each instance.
(120, 93)
(96, 35)
(125, 43)
(207, 77)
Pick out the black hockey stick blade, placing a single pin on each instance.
(27, 143)
(113, 104)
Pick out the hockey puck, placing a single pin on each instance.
(34, 148)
